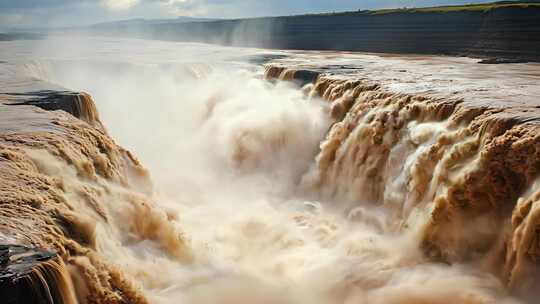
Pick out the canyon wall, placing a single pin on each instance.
(507, 31)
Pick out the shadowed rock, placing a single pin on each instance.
(33, 276)
(78, 104)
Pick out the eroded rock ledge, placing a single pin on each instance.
(78, 104)
(66, 184)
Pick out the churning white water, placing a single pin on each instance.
(229, 152)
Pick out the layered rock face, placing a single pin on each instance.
(470, 168)
(504, 31)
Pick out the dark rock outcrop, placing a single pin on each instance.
(78, 104)
(33, 276)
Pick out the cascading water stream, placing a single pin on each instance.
(451, 172)
(264, 193)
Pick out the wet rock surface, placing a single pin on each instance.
(17, 265)
(75, 103)
(502, 60)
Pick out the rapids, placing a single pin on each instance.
(259, 191)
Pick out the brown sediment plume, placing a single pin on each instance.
(454, 169)
(521, 247)
(273, 72)
(67, 187)
(86, 109)
(198, 70)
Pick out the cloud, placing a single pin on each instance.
(33, 4)
(30, 14)
(119, 4)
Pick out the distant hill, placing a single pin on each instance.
(144, 22)
(20, 36)
(485, 7)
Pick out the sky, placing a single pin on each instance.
(20, 14)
